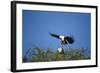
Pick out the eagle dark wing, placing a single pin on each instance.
(69, 39)
(54, 35)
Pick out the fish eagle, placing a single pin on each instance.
(64, 39)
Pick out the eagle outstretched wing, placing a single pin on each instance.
(54, 35)
(69, 39)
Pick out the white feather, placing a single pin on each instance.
(61, 37)
(59, 49)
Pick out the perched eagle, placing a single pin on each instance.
(60, 50)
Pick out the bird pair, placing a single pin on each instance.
(64, 40)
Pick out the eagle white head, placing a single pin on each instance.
(59, 49)
(61, 37)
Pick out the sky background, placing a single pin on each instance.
(38, 24)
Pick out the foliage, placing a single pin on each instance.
(41, 55)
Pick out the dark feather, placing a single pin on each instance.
(54, 35)
(69, 39)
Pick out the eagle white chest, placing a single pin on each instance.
(61, 37)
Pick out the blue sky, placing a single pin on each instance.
(37, 24)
